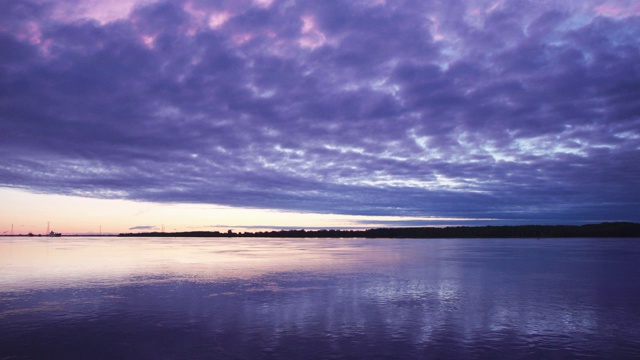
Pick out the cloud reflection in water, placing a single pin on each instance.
(255, 298)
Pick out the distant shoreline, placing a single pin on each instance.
(602, 230)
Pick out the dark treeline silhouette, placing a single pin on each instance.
(609, 229)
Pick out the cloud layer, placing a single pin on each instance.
(516, 110)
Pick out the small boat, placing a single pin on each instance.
(55, 234)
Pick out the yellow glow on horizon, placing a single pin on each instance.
(30, 212)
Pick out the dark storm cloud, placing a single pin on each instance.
(517, 110)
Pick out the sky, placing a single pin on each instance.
(129, 115)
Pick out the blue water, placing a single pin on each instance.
(186, 298)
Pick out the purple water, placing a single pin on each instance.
(188, 298)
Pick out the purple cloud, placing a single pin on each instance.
(143, 227)
(522, 111)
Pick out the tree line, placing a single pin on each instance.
(607, 229)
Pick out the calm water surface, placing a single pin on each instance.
(186, 298)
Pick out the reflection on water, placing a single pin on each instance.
(105, 298)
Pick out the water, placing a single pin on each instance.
(187, 298)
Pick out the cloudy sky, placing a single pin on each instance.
(395, 112)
